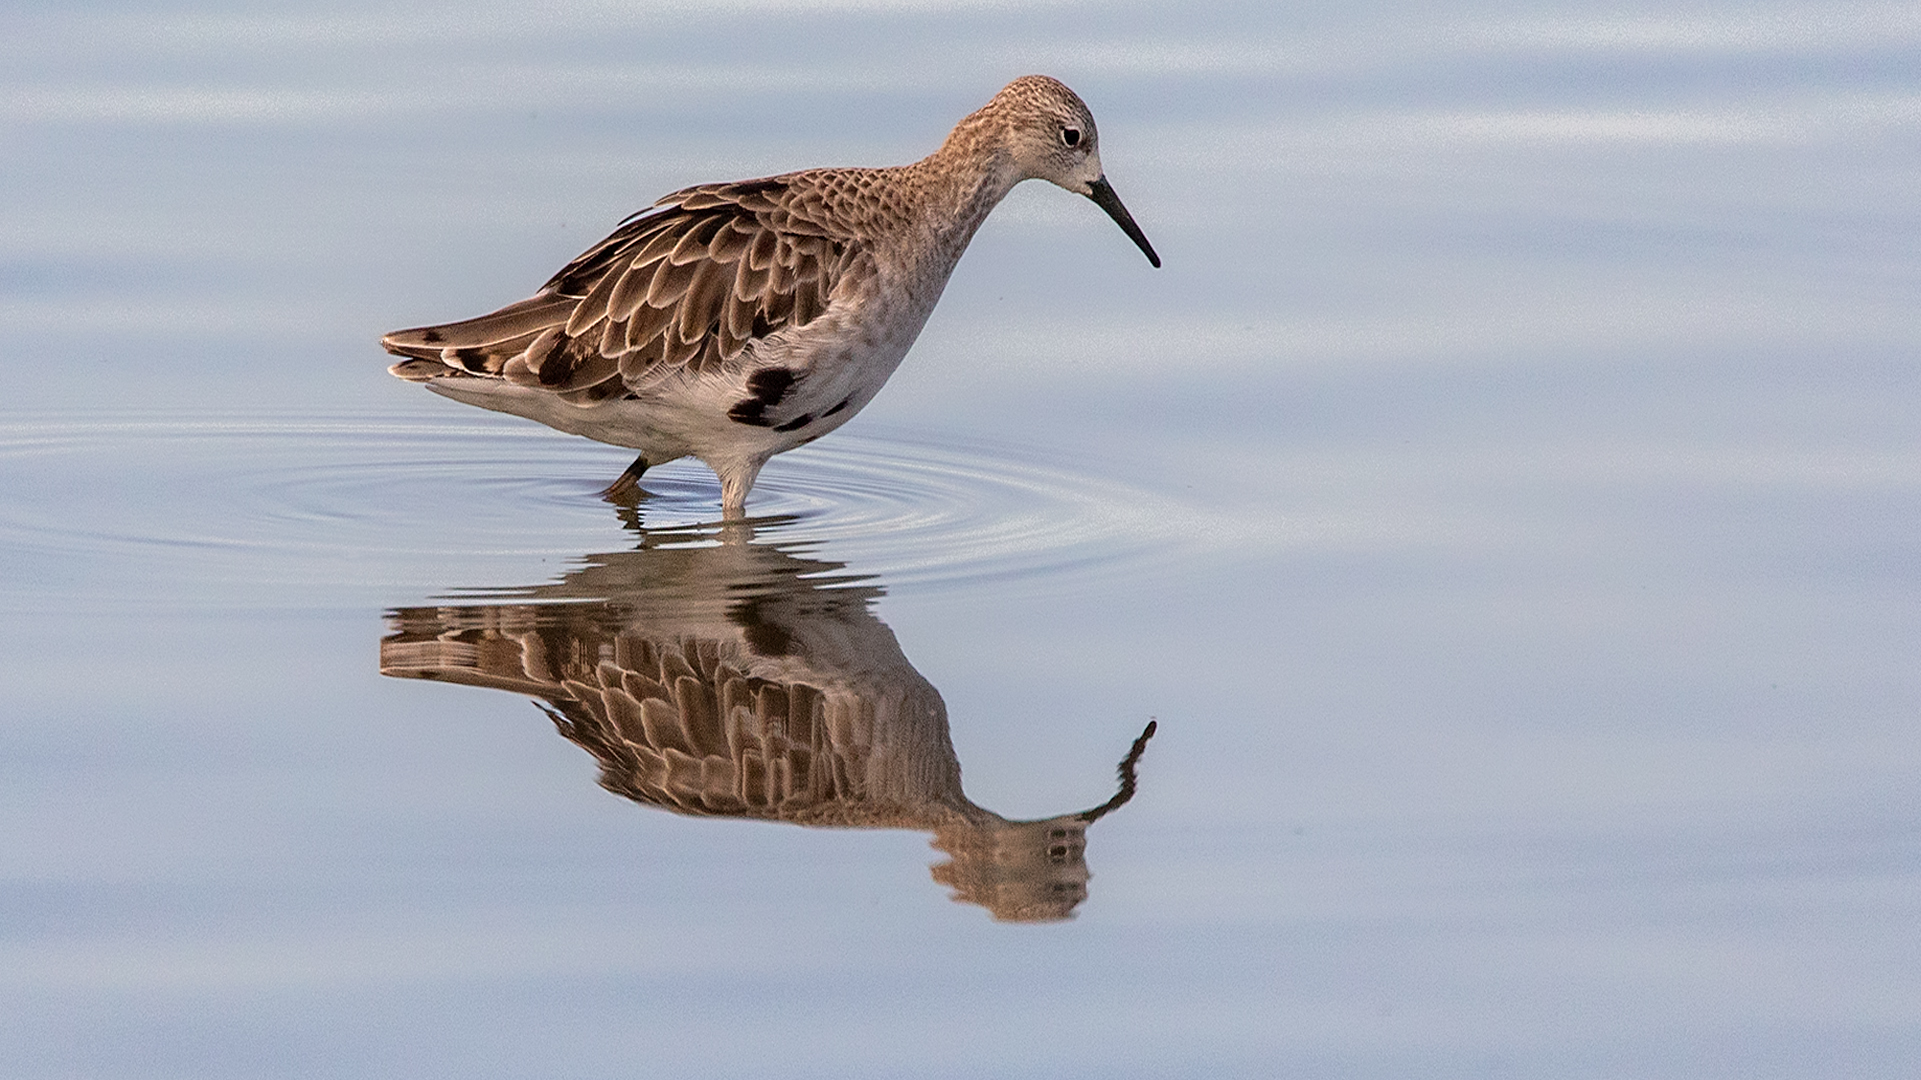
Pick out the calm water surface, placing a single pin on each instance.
(1503, 504)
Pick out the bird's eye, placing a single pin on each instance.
(1071, 136)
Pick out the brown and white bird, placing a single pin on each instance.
(734, 321)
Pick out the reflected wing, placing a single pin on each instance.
(683, 286)
(685, 723)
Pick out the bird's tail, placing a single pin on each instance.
(511, 343)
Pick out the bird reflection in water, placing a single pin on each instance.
(713, 676)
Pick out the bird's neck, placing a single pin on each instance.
(962, 182)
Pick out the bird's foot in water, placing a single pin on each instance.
(626, 490)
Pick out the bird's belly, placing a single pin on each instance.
(826, 372)
(632, 424)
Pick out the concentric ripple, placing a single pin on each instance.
(245, 508)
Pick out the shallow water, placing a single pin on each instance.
(1503, 504)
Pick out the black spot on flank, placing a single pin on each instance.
(844, 402)
(796, 423)
(769, 386)
(472, 359)
(432, 337)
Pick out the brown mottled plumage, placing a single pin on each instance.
(734, 321)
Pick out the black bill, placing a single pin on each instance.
(1103, 195)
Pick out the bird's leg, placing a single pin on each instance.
(735, 482)
(626, 490)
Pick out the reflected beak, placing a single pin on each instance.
(1103, 195)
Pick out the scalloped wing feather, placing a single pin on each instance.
(687, 284)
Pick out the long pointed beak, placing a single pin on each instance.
(1126, 775)
(1103, 195)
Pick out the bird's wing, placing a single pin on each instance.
(684, 285)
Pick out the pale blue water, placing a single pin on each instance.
(1504, 501)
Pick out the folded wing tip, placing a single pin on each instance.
(419, 369)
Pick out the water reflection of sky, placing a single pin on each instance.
(1503, 498)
